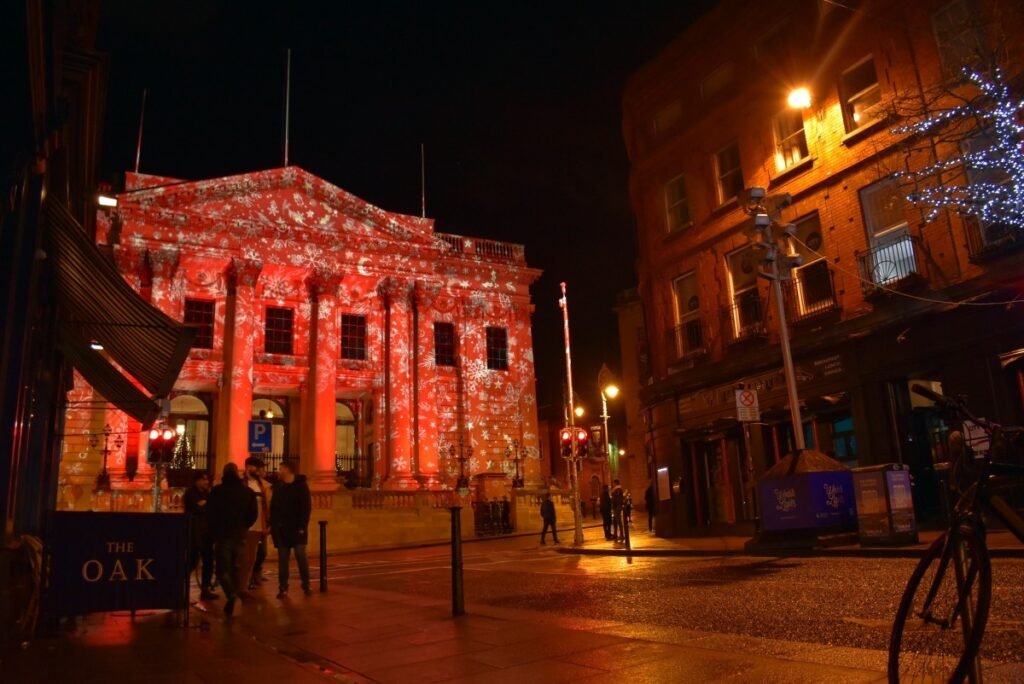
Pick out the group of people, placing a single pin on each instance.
(616, 506)
(232, 521)
(495, 516)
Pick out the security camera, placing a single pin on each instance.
(756, 193)
(762, 220)
(789, 230)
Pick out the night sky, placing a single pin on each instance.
(518, 106)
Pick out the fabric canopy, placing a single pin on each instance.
(96, 304)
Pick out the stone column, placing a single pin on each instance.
(398, 385)
(425, 418)
(526, 382)
(237, 380)
(323, 371)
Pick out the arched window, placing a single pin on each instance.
(192, 412)
(344, 432)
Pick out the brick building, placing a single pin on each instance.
(370, 342)
(871, 308)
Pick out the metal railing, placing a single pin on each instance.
(688, 339)
(356, 469)
(988, 240)
(746, 317)
(811, 292)
(890, 262)
(491, 250)
(390, 500)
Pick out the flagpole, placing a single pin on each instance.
(287, 103)
(142, 118)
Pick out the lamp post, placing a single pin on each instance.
(573, 460)
(609, 390)
(464, 452)
(103, 479)
(514, 452)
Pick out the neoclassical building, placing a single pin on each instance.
(370, 342)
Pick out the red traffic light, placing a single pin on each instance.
(581, 436)
(154, 433)
(566, 436)
(168, 433)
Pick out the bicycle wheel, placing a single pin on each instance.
(930, 640)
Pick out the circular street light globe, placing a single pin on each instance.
(611, 391)
(579, 411)
(799, 98)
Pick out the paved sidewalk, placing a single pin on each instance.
(1002, 544)
(359, 635)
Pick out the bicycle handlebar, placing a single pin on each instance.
(951, 403)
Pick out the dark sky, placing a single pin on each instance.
(518, 105)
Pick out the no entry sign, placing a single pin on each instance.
(747, 409)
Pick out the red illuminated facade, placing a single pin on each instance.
(369, 341)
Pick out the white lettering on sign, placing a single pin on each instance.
(142, 566)
(747, 408)
(92, 577)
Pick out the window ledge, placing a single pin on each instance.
(726, 206)
(786, 175)
(861, 132)
(681, 230)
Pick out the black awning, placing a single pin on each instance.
(94, 299)
(105, 379)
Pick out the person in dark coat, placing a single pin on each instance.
(231, 510)
(506, 514)
(618, 499)
(201, 546)
(290, 508)
(606, 512)
(649, 504)
(547, 514)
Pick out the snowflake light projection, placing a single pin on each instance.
(991, 160)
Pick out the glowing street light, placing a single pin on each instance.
(579, 411)
(799, 98)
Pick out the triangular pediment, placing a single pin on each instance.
(287, 196)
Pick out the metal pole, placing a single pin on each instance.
(142, 118)
(323, 555)
(577, 539)
(607, 444)
(287, 104)
(156, 486)
(787, 354)
(458, 599)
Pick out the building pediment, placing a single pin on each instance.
(276, 202)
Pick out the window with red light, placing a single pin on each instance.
(444, 344)
(497, 349)
(199, 315)
(278, 327)
(353, 337)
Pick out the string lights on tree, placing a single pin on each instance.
(985, 178)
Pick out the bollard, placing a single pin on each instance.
(625, 531)
(458, 601)
(323, 556)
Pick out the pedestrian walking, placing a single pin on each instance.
(606, 512)
(627, 509)
(255, 539)
(649, 504)
(290, 507)
(200, 542)
(231, 511)
(547, 514)
(618, 534)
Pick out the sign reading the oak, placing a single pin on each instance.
(117, 561)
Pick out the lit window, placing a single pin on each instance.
(353, 337)
(677, 205)
(199, 315)
(730, 176)
(444, 344)
(277, 329)
(497, 349)
(689, 333)
(861, 94)
(790, 139)
(747, 312)
(812, 279)
(891, 256)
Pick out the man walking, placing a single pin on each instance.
(618, 499)
(290, 507)
(231, 510)
(547, 514)
(606, 512)
(649, 504)
(201, 546)
(255, 539)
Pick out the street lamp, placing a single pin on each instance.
(514, 452)
(462, 454)
(103, 479)
(609, 390)
(799, 98)
(579, 411)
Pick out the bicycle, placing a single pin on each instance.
(945, 605)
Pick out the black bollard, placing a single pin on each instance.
(323, 556)
(458, 601)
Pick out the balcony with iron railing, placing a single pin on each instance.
(487, 250)
(810, 293)
(892, 262)
(746, 318)
(687, 340)
(987, 241)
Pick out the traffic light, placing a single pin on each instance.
(565, 439)
(582, 437)
(161, 445)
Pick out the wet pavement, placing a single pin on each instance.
(533, 615)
